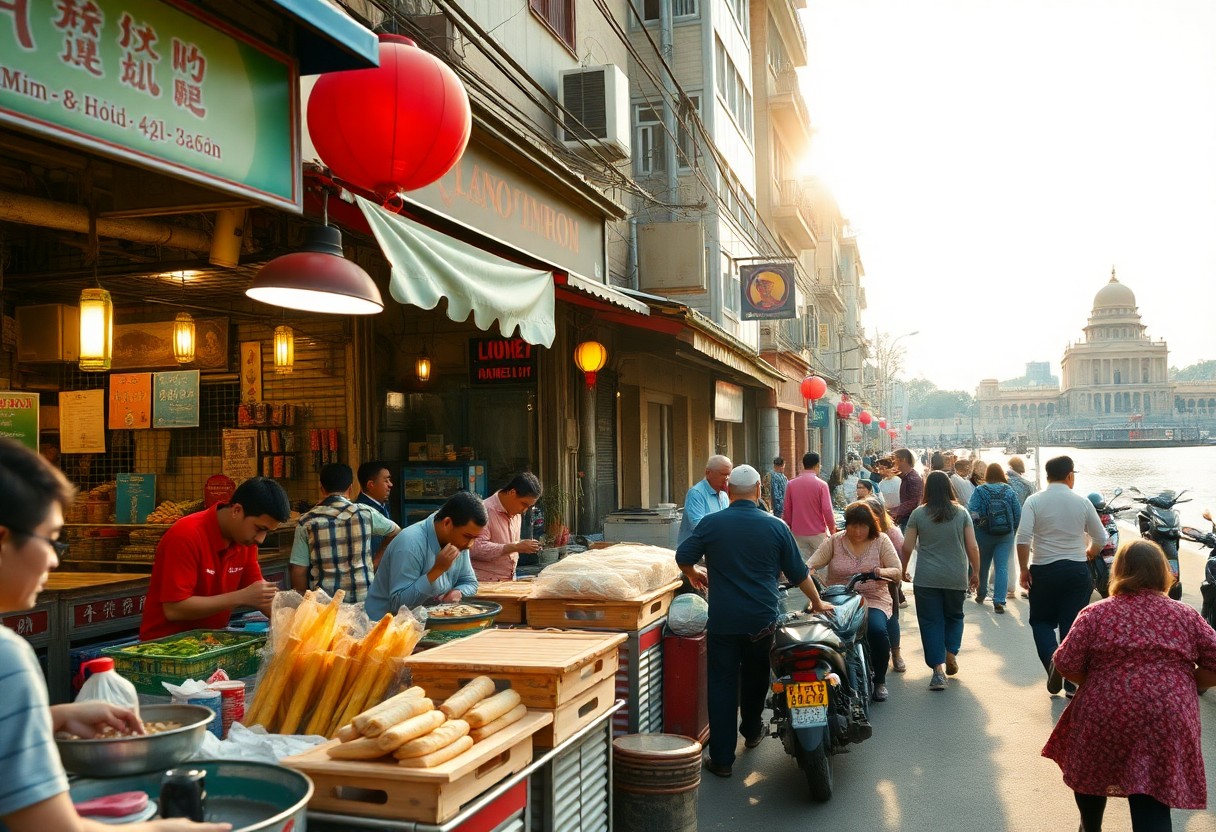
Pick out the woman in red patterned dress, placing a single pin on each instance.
(1133, 729)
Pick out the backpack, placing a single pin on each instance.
(999, 519)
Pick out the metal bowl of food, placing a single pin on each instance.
(445, 622)
(175, 732)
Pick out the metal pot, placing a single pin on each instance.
(253, 797)
(148, 752)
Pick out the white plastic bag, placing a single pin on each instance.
(106, 685)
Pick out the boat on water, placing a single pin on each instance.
(1134, 436)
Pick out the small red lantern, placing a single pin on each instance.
(865, 417)
(813, 387)
(908, 427)
(882, 424)
(398, 127)
(893, 433)
(845, 409)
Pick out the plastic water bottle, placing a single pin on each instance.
(103, 683)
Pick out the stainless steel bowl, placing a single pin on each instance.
(135, 755)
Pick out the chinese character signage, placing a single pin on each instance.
(29, 624)
(19, 418)
(82, 422)
(768, 292)
(175, 399)
(112, 609)
(501, 361)
(130, 401)
(136, 497)
(157, 84)
(821, 415)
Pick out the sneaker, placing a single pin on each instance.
(951, 664)
(999, 609)
(1054, 680)
(714, 768)
(938, 682)
(880, 693)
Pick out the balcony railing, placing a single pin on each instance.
(791, 194)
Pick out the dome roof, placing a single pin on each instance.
(1114, 295)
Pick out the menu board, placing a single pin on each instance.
(130, 401)
(82, 422)
(136, 497)
(19, 418)
(240, 453)
(175, 397)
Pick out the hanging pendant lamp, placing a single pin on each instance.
(183, 338)
(284, 349)
(590, 357)
(317, 278)
(96, 330)
(423, 366)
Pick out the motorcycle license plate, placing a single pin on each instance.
(808, 703)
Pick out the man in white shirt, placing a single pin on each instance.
(963, 489)
(1054, 523)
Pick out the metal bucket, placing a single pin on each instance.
(253, 797)
(655, 783)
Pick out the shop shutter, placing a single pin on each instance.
(605, 444)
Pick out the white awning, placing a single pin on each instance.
(429, 265)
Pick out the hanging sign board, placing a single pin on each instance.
(157, 84)
(728, 402)
(19, 418)
(501, 361)
(130, 401)
(821, 415)
(175, 399)
(768, 292)
(240, 453)
(82, 422)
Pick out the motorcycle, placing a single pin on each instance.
(1159, 523)
(1108, 513)
(821, 681)
(1207, 589)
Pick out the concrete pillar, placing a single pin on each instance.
(770, 437)
(589, 519)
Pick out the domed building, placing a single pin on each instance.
(1117, 370)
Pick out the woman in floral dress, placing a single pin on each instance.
(1133, 729)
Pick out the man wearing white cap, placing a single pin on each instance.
(745, 550)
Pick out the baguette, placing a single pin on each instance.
(360, 749)
(387, 718)
(411, 729)
(444, 754)
(509, 718)
(441, 737)
(360, 722)
(456, 705)
(347, 733)
(491, 709)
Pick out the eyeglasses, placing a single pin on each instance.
(60, 546)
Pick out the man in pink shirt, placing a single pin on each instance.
(808, 507)
(495, 552)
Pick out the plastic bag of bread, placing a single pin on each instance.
(586, 576)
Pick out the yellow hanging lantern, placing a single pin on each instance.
(590, 357)
(423, 366)
(96, 330)
(284, 349)
(183, 338)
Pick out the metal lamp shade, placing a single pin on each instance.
(96, 330)
(318, 278)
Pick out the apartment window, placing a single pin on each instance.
(679, 8)
(730, 285)
(738, 8)
(732, 88)
(651, 139)
(558, 15)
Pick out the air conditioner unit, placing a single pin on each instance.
(671, 257)
(440, 36)
(598, 99)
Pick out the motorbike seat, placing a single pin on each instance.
(807, 629)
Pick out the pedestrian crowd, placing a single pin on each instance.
(1132, 665)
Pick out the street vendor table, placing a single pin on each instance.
(568, 789)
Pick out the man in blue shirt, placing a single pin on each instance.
(745, 550)
(707, 496)
(428, 562)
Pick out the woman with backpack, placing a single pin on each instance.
(996, 510)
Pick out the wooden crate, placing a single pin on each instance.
(577, 714)
(546, 669)
(601, 615)
(384, 789)
(511, 595)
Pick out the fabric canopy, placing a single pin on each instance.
(428, 265)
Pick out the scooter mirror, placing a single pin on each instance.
(1192, 532)
(1116, 493)
(1133, 488)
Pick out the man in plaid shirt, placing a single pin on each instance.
(333, 543)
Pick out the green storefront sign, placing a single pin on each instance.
(821, 415)
(158, 84)
(19, 418)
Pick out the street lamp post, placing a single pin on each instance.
(886, 380)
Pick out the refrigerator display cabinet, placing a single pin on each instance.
(425, 486)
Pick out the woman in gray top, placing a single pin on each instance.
(941, 532)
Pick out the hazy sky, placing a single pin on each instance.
(997, 157)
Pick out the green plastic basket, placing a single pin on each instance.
(238, 659)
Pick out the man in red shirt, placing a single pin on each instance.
(207, 563)
(808, 507)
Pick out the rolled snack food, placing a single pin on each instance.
(411, 729)
(364, 748)
(347, 733)
(491, 709)
(510, 717)
(448, 752)
(361, 721)
(441, 737)
(462, 700)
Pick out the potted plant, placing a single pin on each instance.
(554, 504)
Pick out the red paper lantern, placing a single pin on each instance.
(845, 409)
(398, 127)
(908, 426)
(893, 433)
(865, 417)
(882, 424)
(813, 387)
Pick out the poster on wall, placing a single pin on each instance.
(240, 454)
(130, 401)
(19, 418)
(175, 399)
(82, 422)
(251, 371)
(150, 345)
(768, 292)
(136, 497)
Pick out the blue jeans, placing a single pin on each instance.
(738, 679)
(893, 621)
(995, 550)
(1058, 592)
(940, 615)
(880, 643)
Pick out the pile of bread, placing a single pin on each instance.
(410, 729)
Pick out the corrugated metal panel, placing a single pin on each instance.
(639, 681)
(515, 824)
(605, 444)
(572, 793)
